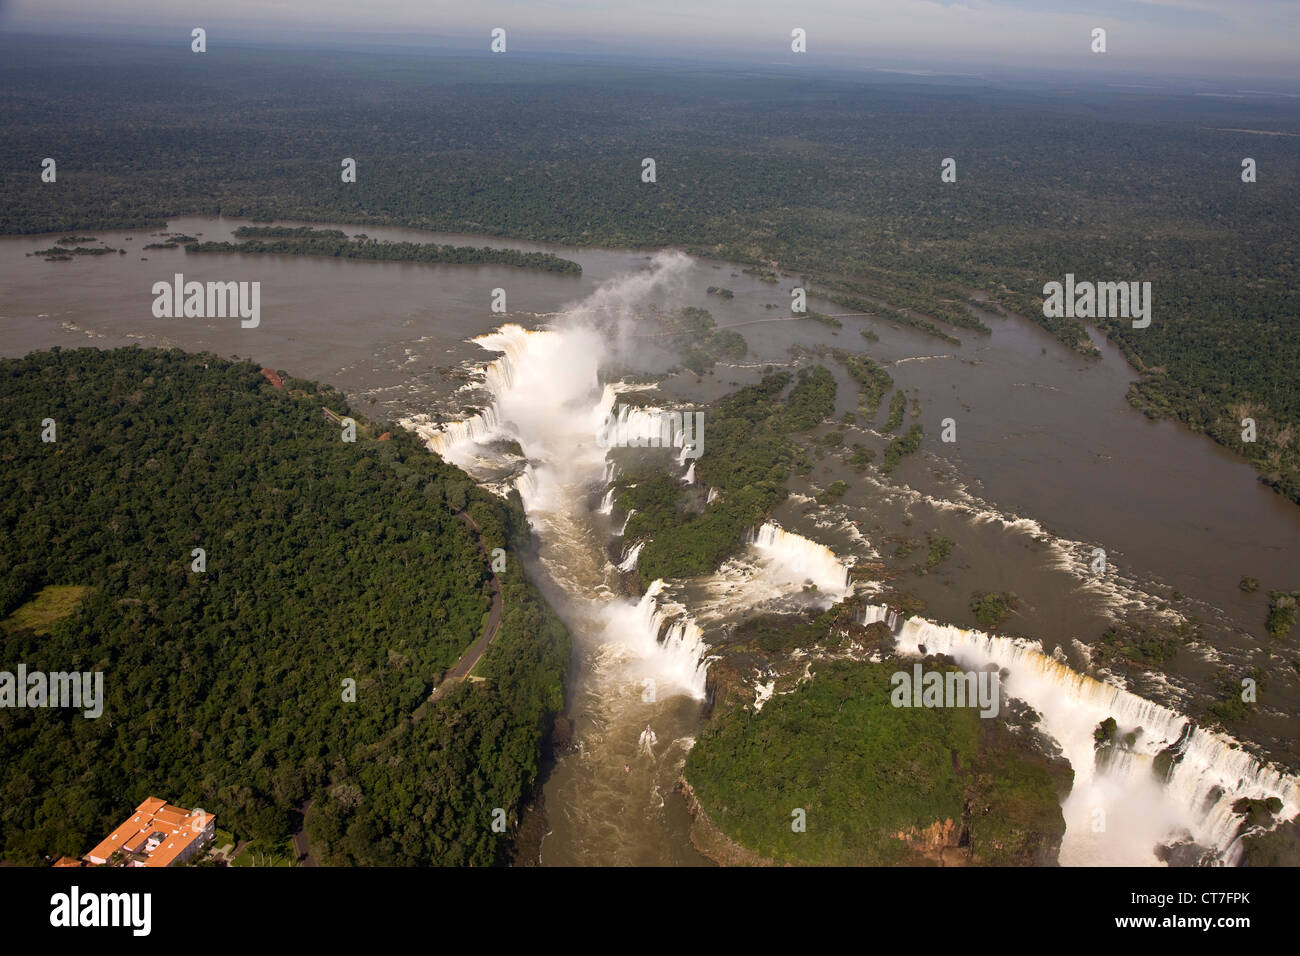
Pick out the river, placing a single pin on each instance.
(1050, 463)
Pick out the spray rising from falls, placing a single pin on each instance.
(661, 642)
(800, 559)
(546, 396)
(1175, 783)
(780, 571)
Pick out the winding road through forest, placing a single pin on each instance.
(458, 672)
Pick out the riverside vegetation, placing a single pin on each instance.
(882, 785)
(224, 688)
(879, 784)
(750, 456)
(834, 177)
(305, 241)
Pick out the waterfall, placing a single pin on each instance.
(452, 441)
(648, 427)
(877, 612)
(667, 641)
(802, 559)
(548, 398)
(526, 485)
(1135, 809)
(607, 503)
(477, 429)
(626, 520)
(629, 557)
(689, 478)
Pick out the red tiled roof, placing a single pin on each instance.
(176, 827)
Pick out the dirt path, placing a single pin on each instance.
(301, 848)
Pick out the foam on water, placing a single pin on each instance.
(1137, 809)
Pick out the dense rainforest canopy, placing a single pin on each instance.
(835, 177)
(324, 561)
(750, 454)
(876, 784)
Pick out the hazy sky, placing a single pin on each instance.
(1183, 36)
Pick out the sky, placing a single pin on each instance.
(1186, 37)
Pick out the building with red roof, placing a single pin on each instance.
(157, 834)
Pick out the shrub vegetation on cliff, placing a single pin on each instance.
(872, 779)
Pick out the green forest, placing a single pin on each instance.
(831, 176)
(325, 561)
(874, 780)
(305, 241)
(749, 455)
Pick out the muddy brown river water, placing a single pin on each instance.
(1050, 463)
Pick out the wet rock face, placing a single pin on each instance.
(945, 842)
(1277, 847)
(1185, 853)
(562, 737)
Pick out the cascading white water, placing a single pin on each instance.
(801, 559)
(689, 477)
(642, 426)
(1119, 813)
(477, 429)
(607, 503)
(773, 575)
(874, 613)
(637, 661)
(629, 559)
(547, 397)
(661, 643)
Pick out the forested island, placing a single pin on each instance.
(305, 241)
(852, 202)
(751, 453)
(876, 784)
(329, 569)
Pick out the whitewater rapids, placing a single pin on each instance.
(1119, 814)
(643, 655)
